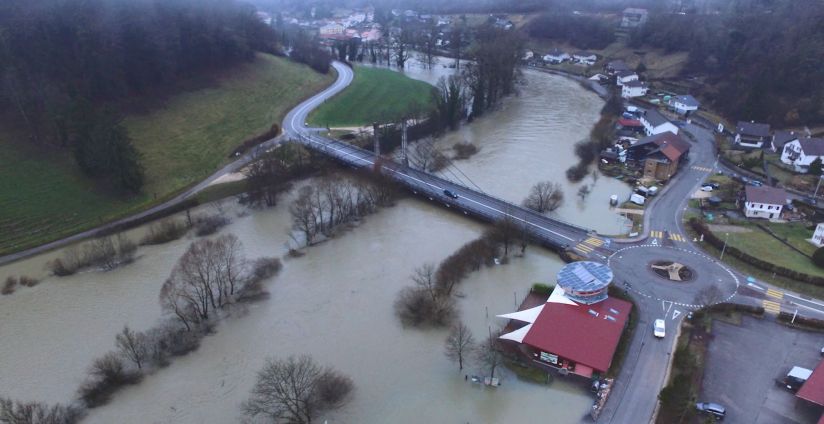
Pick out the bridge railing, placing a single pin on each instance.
(356, 156)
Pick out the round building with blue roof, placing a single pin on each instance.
(585, 282)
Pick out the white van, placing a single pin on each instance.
(637, 199)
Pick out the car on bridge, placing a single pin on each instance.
(449, 193)
(659, 329)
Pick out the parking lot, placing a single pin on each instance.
(743, 363)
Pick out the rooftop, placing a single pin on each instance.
(813, 388)
(655, 118)
(635, 83)
(753, 129)
(766, 194)
(668, 143)
(584, 276)
(812, 146)
(585, 334)
(688, 100)
(780, 138)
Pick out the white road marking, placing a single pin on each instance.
(675, 314)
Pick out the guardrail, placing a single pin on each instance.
(360, 158)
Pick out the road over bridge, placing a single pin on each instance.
(550, 232)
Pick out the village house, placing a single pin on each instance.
(684, 104)
(656, 123)
(634, 17)
(556, 56)
(812, 390)
(577, 330)
(624, 77)
(752, 134)
(585, 58)
(634, 88)
(660, 154)
(615, 66)
(764, 202)
(818, 235)
(332, 28)
(781, 138)
(800, 153)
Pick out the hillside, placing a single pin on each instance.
(44, 197)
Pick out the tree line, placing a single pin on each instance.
(64, 65)
(585, 32)
(761, 59)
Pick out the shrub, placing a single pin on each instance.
(28, 281)
(417, 307)
(106, 375)
(263, 268)
(9, 285)
(62, 268)
(17, 412)
(464, 150)
(577, 172)
(164, 231)
(208, 225)
(542, 288)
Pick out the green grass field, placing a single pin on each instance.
(376, 95)
(43, 197)
(764, 246)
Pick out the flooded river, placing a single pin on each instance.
(335, 303)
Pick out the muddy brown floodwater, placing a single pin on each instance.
(335, 303)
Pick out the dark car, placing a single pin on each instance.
(714, 409)
(449, 193)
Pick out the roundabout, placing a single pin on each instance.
(683, 277)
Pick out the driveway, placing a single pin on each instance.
(743, 363)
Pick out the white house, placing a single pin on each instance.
(781, 138)
(586, 58)
(624, 77)
(333, 28)
(634, 88)
(655, 123)
(800, 153)
(556, 56)
(764, 202)
(684, 104)
(818, 235)
(751, 134)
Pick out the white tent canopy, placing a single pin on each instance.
(527, 315)
(517, 335)
(558, 296)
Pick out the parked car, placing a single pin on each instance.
(659, 328)
(706, 187)
(756, 183)
(449, 193)
(714, 409)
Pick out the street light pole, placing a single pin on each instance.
(726, 236)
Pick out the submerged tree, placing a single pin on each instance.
(460, 344)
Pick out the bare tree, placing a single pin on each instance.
(304, 216)
(204, 279)
(265, 179)
(296, 390)
(424, 278)
(414, 306)
(709, 296)
(459, 344)
(544, 196)
(489, 354)
(16, 412)
(133, 346)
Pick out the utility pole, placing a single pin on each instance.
(403, 143)
(726, 236)
(375, 137)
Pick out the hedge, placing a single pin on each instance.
(712, 239)
(801, 321)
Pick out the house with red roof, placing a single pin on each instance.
(660, 154)
(578, 329)
(813, 389)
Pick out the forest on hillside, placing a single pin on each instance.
(63, 64)
(762, 58)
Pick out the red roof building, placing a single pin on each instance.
(571, 335)
(630, 123)
(586, 335)
(813, 388)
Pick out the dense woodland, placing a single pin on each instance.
(63, 64)
(762, 58)
(585, 32)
